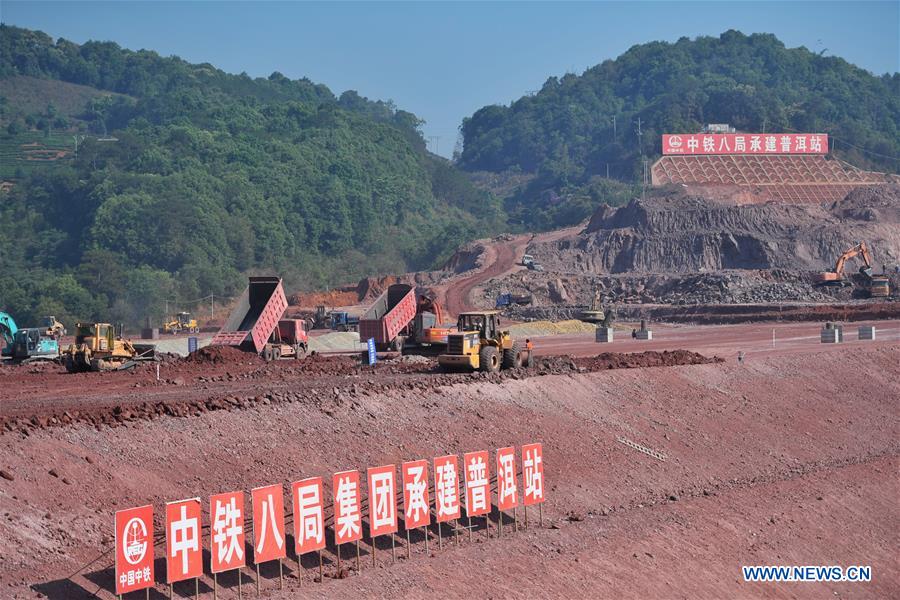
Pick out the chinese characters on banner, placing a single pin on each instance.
(183, 523)
(268, 524)
(382, 500)
(226, 511)
(446, 488)
(415, 494)
(347, 515)
(134, 549)
(744, 143)
(507, 494)
(184, 559)
(309, 515)
(533, 474)
(478, 490)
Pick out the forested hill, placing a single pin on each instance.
(186, 178)
(565, 133)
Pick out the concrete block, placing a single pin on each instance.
(604, 334)
(831, 336)
(150, 333)
(867, 332)
(643, 334)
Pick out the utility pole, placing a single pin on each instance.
(212, 298)
(644, 180)
(640, 134)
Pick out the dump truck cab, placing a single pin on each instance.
(481, 345)
(289, 340)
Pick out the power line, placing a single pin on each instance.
(845, 142)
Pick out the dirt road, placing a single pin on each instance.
(765, 462)
(723, 340)
(501, 257)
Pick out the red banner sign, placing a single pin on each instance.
(134, 549)
(347, 511)
(744, 143)
(478, 480)
(268, 523)
(416, 511)
(184, 558)
(382, 500)
(533, 474)
(507, 493)
(226, 511)
(446, 488)
(309, 515)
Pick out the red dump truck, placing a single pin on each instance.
(387, 319)
(255, 317)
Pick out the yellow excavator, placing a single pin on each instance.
(879, 285)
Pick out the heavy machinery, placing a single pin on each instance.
(388, 318)
(8, 329)
(878, 285)
(255, 317)
(99, 347)
(289, 340)
(32, 344)
(27, 344)
(428, 330)
(481, 345)
(319, 320)
(183, 321)
(341, 320)
(595, 314)
(53, 328)
(504, 300)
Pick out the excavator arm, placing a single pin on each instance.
(859, 249)
(8, 328)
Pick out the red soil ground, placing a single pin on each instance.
(788, 458)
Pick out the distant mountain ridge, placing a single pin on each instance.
(578, 128)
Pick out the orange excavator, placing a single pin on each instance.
(878, 284)
(428, 324)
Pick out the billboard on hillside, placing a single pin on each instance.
(689, 144)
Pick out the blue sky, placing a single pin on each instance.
(444, 60)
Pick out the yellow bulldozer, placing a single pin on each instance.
(183, 321)
(480, 345)
(98, 347)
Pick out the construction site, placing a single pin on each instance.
(711, 370)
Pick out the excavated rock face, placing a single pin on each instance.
(676, 233)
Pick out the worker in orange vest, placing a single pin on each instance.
(529, 348)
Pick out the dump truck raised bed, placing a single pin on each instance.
(255, 316)
(387, 319)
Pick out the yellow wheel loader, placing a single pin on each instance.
(183, 321)
(480, 345)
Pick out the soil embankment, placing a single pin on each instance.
(743, 472)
